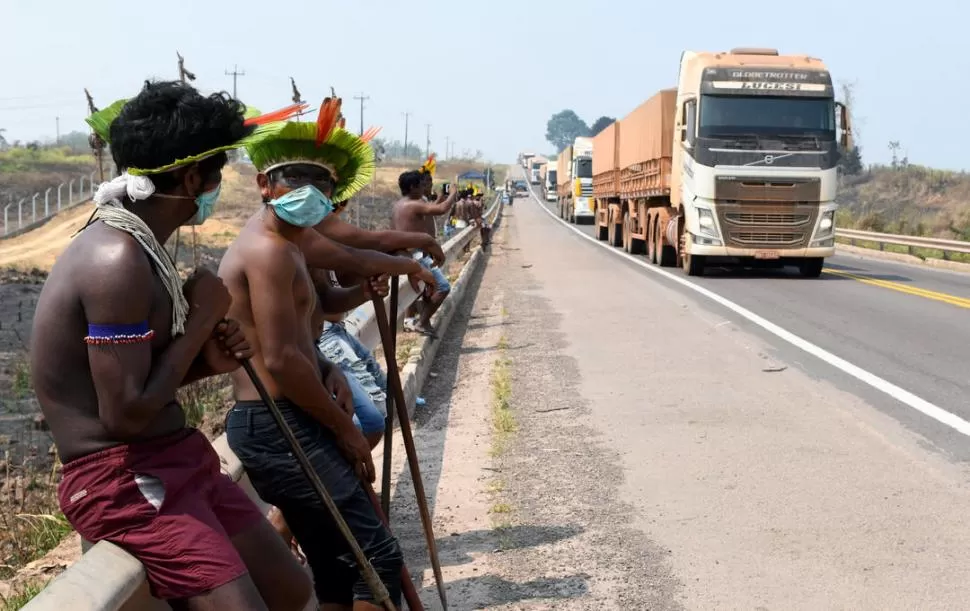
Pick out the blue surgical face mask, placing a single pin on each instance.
(303, 207)
(206, 203)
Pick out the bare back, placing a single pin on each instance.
(245, 265)
(407, 215)
(60, 360)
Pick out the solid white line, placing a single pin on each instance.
(900, 394)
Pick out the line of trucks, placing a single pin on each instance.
(737, 164)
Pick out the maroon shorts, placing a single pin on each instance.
(167, 503)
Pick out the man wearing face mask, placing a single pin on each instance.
(303, 169)
(116, 333)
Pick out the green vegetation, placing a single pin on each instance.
(206, 397)
(26, 159)
(503, 419)
(21, 597)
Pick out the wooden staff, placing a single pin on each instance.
(407, 587)
(366, 568)
(394, 384)
(389, 421)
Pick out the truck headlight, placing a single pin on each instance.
(705, 221)
(826, 225)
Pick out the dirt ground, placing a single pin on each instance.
(528, 518)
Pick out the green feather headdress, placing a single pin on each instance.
(262, 126)
(323, 143)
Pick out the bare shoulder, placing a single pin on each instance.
(118, 277)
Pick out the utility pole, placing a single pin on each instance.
(234, 74)
(183, 75)
(57, 137)
(427, 147)
(362, 98)
(447, 144)
(407, 116)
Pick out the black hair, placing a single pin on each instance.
(409, 180)
(170, 120)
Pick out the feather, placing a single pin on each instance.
(327, 119)
(278, 115)
(370, 133)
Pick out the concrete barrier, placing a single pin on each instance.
(106, 578)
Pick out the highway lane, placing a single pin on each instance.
(907, 324)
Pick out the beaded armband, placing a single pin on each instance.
(119, 334)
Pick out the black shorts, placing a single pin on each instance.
(278, 479)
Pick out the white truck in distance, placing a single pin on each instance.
(550, 184)
(575, 176)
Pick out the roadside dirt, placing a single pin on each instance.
(535, 522)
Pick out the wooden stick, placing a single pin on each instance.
(394, 384)
(407, 587)
(389, 421)
(366, 568)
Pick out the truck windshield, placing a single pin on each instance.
(584, 167)
(551, 176)
(722, 115)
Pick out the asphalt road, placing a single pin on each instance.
(907, 324)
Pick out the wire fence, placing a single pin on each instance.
(29, 211)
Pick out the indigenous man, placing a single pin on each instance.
(116, 333)
(413, 212)
(302, 169)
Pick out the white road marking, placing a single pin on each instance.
(900, 394)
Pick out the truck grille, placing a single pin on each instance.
(767, 218)
(586, 190)
(776, 239)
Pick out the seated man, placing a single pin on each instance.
(302, 168)
(116, 334)
(413, 212)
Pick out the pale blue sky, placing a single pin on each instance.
(486, 74)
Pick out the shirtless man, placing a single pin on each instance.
(415, 213)
(114, 338)
(274, 300)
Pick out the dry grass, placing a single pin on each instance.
(503, 418)
(19, 598)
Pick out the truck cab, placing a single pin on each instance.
(550, 184)
(755, 153)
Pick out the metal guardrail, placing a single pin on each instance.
(107, 578)
(882, 239)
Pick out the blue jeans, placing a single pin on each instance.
(367, 382)
(440, 280)
(278, 479)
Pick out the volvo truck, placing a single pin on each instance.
(550, 181)
(575, 175)
(535, 171)
(736, 165)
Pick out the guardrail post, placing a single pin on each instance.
(6, 227)
(20, 213)
(59, 187)
(909, 249)
(946, 255)
(47, 201)
(882, 246)
(33, 207)
(70, 192)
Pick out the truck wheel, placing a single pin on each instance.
(652, 242)
(811, 268)
(602, 233)
(668, 256)
(616, 234)
(694, 264)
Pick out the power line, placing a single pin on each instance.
(235, 74)
(362, 98)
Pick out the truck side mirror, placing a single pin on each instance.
(845, 125)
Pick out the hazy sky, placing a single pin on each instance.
(486, 74)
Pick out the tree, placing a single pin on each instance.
(601, 124)
(564, 127)
(850, 162)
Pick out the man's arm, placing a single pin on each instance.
(386, 241)
(322, 252)
(437, 208)
(278, 329)
(131, 386)
(333, 299)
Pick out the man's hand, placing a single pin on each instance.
(226, 348)
(337, 385)
(208, 297)
(426, 276)
(434, 249)
(356, 450)
(415, 282)
(378, 285)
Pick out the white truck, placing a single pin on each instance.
(575, 176)
(550, 183)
